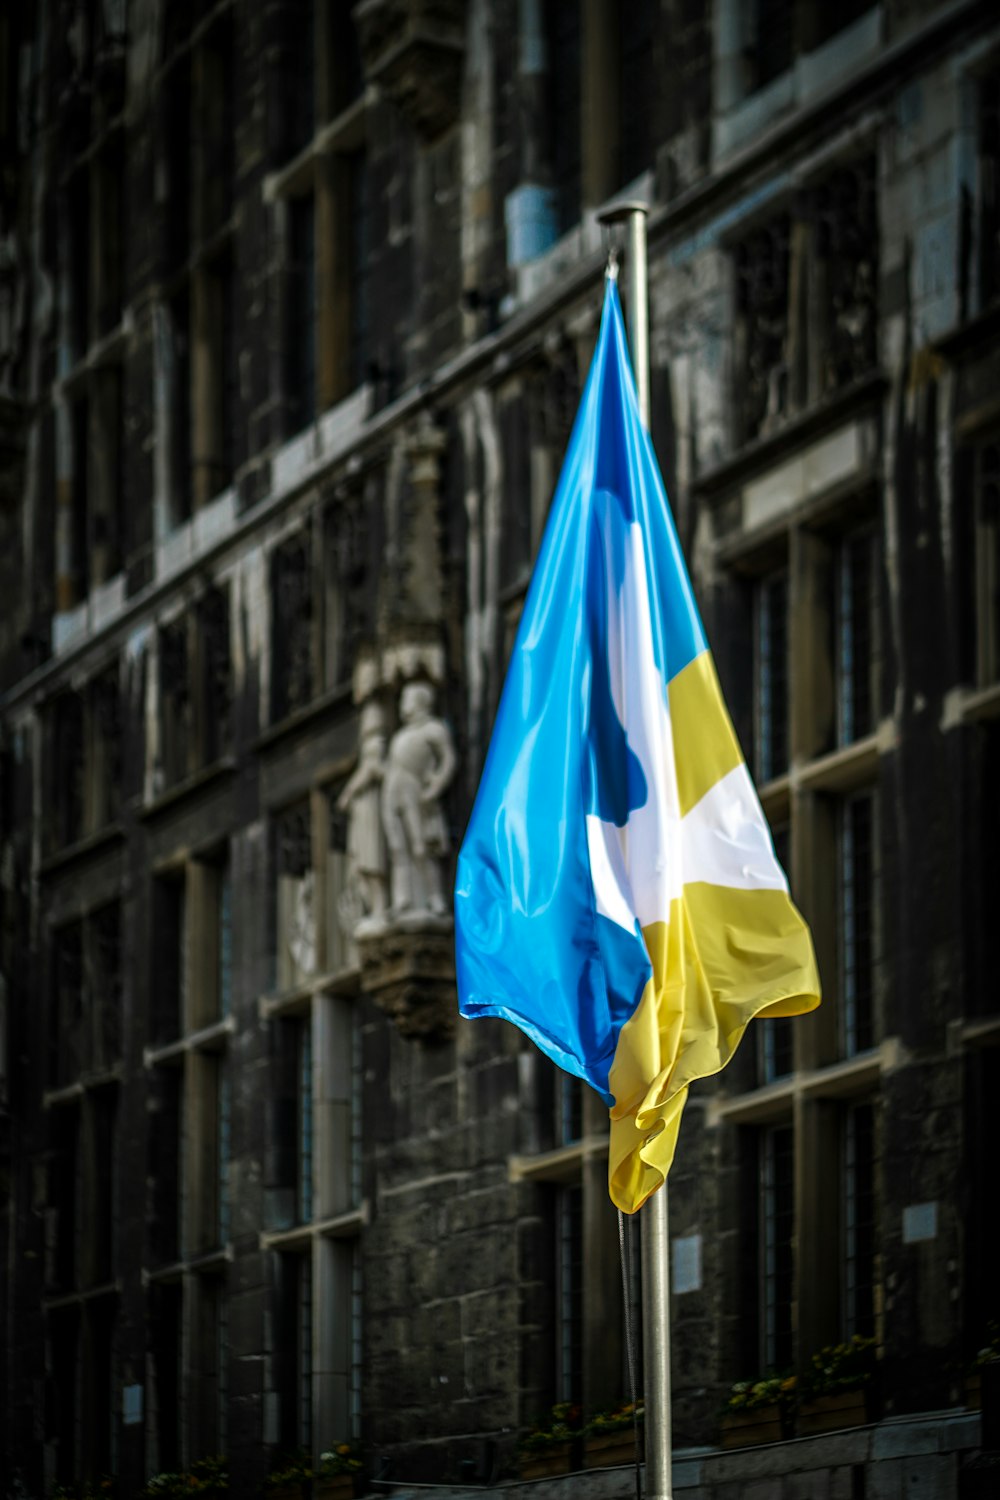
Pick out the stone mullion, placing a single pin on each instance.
(207, 384)
(104, 460)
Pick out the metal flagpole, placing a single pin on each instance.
(653, 1216)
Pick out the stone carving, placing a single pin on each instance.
(413, 50)
(420, 766)
(363, 905)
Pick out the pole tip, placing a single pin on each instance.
(611, 269)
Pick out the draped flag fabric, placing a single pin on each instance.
(617, 894)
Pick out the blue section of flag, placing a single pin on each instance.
(530, 945)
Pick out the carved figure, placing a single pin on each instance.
(361, 800)
(421, 764)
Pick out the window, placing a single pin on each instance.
(86, 997)
(81, 1260)
(986, 497)
(342, 904)
(761, 330)
(91, 411)
(294, 898)
(569, 1109)
(197, 426)
(170, 955)
(569, 1293)
(857, 864)
(301, 344)
(83, 760)
(65, 1185)
(806, 301)
(165, 1325)
(195, 688)
(304, 1120)
(856, 652)
(859, 1221)
(174, 698)
(779, 30)
(315, 1216)
(321, 185)
(777, 1219)
(164, 1156)
(294, 1349)
(293, 634)
(988, 150)
(773, 39)
(564, 84)
(771, 676)
(189, 1151)
(207, 1372)
(351, 543)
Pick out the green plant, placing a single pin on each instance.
(990, 1352)
(85, 1489)
(342, 1458)
(840, 1367)
(560, 1426)
(290, 1471)
(619, 1419)
(206, 1476)
(766, 1390)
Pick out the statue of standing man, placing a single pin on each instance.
(420, 765)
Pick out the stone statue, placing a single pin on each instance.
(421, 764)
(361, 799)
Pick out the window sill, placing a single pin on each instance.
(849, 766)
(211, 1262)
(87, 1083)
(92, 1294)
(342, 135)
(563, 1164)
(839, 1080)
(968, 705)
(223, 767)
(345, 1226)
(297, 1001)
(93, 843)
(823, 71)
(983, 1031)
(336, 698)
(801, 428)
(213, 1038)
(105, 351)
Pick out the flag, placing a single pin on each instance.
(617, 893)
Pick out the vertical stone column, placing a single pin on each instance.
(207, 392)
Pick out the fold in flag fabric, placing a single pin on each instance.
(617, 894)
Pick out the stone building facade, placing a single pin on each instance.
(295, 303)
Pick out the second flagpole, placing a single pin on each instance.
(653, 1216)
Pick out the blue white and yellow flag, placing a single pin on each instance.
(618, 895)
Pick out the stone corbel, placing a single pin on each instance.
(409, 971)
(413, 50)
